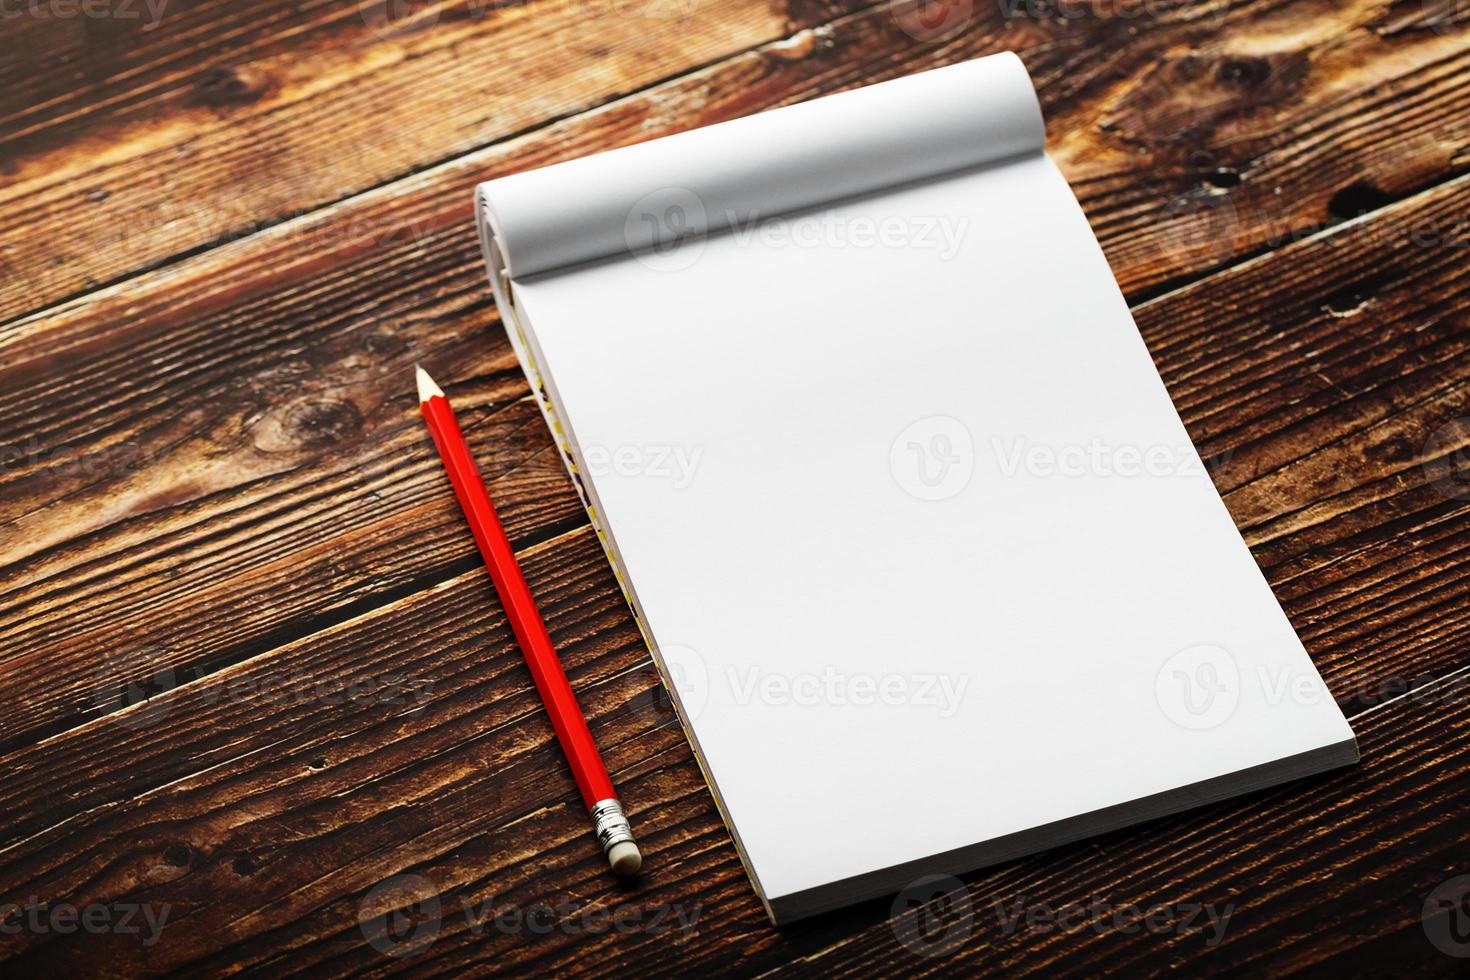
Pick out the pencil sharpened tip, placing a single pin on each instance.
(427, 388)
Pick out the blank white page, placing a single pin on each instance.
(870, 422)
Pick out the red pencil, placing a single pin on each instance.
(608, 820)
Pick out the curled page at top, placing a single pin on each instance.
(653, 195)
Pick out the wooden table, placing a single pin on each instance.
(254, 680)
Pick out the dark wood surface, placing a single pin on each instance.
(227, 236)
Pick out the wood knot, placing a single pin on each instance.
(1223, 178)
(1357, 199)
(1355, 296)
(324, 422)
(1185, 100)
(308, 424)
(383, 343)
(232, 86)
(1397, 448)
(1244, 73)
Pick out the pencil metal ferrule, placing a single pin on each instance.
(610, 823)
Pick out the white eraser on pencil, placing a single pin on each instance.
(625, 858)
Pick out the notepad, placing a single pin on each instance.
(923, 552)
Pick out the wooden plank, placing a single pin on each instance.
(1317, 386)
(292, 482)
(1283, 119)
(282, 535)
(461, 733)
(1194, 134)
(67, 782)
(263, 807)
(74, 67)
(198, 152)
(272, 462)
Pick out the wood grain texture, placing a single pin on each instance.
(293, 800)
(273, 463)
(1301, 110)
(215, 489)
(327, 103)
(294, 483)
